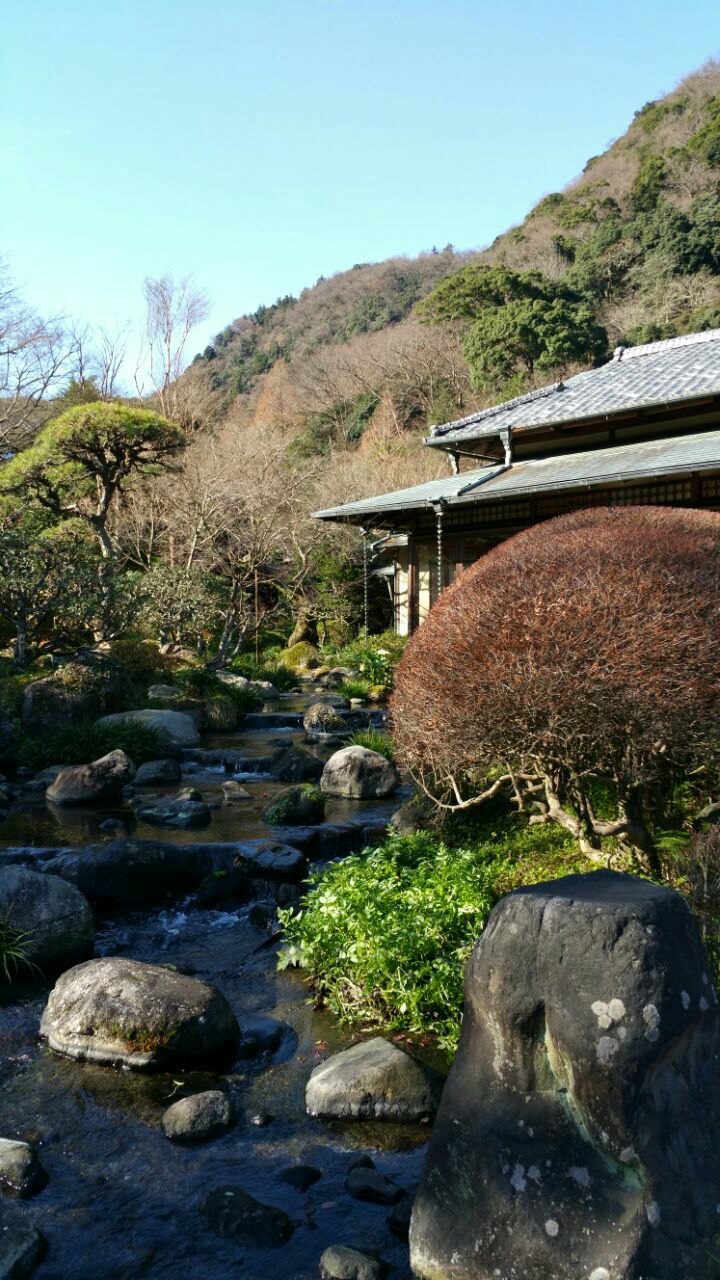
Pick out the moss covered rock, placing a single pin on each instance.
(75, 693)
(295, 806)
(321, 718)
(300, 657)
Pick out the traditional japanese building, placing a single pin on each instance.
(643, 428)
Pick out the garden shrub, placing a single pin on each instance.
(583, 652)
(243, 697)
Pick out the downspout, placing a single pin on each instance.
(366, 590)
(438, 509)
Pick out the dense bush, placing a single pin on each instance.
(385, 934)
(582, 653)
(82, 743)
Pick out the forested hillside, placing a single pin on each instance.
(628, 252)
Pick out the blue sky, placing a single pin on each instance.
(259, 144)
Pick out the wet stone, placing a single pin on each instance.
(230, 1211)
(22, 1247)
(157, 772)
(398, 1220)
(21, 1172)
(368, 1184)
(143, 1016)
(261, 1035)
(300, 1176)
(54, 916)
(199, 1118)
(338, 1262)
(187, 814)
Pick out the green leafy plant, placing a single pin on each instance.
(384, 935)
(374, 740)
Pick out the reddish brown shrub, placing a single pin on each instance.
(584, 651)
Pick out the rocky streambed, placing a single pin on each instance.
(123, 1199)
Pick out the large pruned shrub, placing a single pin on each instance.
(578, 664)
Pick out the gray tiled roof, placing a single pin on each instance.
(677, 456)
(637, 377)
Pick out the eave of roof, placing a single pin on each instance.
(679, 455)
(673, 372)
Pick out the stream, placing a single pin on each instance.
(122, 1200)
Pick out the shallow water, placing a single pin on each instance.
(122, 1201)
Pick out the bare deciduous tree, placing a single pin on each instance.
(173, 309)
(35, 354)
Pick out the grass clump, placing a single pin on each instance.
(14, 947)
(385, 934)
(373, 740)
(82, 743)
(354, 689)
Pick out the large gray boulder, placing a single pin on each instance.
(125, 1013)
(22, 1246)
(54, 917)
(373, 1080)
(175, 727)
(87, 783)
(359, 774)
(577, 1136)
